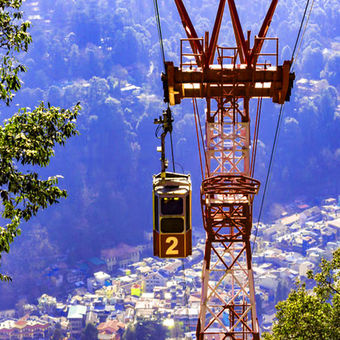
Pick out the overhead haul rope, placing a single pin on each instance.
(278, 125)
(256, 136)
(172, 153)
(279, 120)
(186, 298)
(198, 127)
(159, 28)
(304, 31)
(160, 36)
(155, 2)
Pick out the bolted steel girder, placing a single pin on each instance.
(272, 82)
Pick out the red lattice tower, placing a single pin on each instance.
(228, 308)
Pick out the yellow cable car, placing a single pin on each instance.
(172, 215)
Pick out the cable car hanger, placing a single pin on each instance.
(172, 234)
(165, 122)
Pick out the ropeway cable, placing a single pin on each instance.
(279, 120)
(159, 28)
(160, 35)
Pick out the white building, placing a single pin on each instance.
(120, 256)
(76, 316)
(153, 280)
(101, 277)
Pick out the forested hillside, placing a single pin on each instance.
(106, 55)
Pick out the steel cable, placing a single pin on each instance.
(159, 28)
(186, 299)
(160, 36)
(279, 120)
(172, 154)
(304, 31)
(198, 138)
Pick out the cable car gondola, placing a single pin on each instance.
(172, 215)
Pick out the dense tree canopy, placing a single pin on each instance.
(14, 38)
(90, 332)
(27, 139)
(312, 314)
(145, 329)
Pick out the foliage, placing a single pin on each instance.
(312, 315)
(58, 333)
(90, 332)
(27, 140)
(328, 279)
(177, 331)
(14, 38)
(146, 330)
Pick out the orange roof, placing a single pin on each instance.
(25, 326)
(38, 326)
(110, 326)
(303, 206)
(20, 323)
(194, 298)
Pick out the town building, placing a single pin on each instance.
(153, 280)
(76, 317)
(111, 330)
(120, 256)
(24, 328)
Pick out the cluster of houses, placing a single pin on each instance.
(286, 250)
(24, 328)
(128, 286)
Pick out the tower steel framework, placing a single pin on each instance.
(227, 80)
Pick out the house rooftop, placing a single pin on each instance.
(334, 223)
(76, 312)
(290, 219)
(110, 326)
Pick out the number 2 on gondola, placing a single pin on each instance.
(173, 244)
